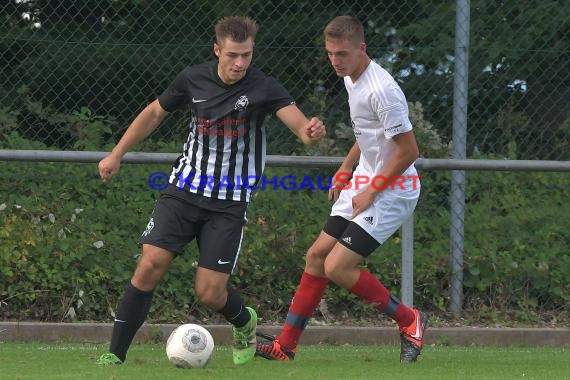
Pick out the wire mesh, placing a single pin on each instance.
(74, 65)
(75, 73)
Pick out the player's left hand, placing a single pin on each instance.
(362, 201)
(316, 129)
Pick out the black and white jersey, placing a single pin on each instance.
(224, 155)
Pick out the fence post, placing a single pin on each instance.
(458, 180)
(407, 290)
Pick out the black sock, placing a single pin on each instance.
(234, 310)
(130, 316)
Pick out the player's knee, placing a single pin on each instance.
(147, 268)
(333, 271)
(204, 293)
(147, 275)
(316, 256)
(210, 296)
(154, 261)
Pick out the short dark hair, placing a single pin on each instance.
(346, 28)
(236, 28)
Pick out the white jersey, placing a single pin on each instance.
(378, 111)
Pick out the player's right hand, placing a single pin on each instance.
(108, 167)
(339, 182)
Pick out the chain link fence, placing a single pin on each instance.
(76, 68)
(75, 73)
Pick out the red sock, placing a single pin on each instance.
(304, 302)
(369, 288)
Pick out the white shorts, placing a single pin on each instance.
(388, 212)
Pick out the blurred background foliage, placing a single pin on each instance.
(75, 73)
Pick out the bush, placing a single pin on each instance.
(69, 242)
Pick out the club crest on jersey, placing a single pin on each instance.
(241, 103)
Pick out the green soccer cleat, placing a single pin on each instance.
(109, 359)
(245, 341)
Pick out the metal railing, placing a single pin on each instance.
(407, 285)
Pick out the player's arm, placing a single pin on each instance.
(141, 127)
(309, 131)
(405, 153)
(351, 158)
(344, 172)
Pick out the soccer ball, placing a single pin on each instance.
(190, 346)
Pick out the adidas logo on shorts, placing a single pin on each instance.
(347, 240)
(369, 219)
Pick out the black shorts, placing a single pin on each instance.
(351, 235)
(217, 225)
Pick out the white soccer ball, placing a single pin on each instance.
(190, 346)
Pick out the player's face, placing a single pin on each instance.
(233, 59)
(346, 57)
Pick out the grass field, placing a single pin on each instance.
(77, 361)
